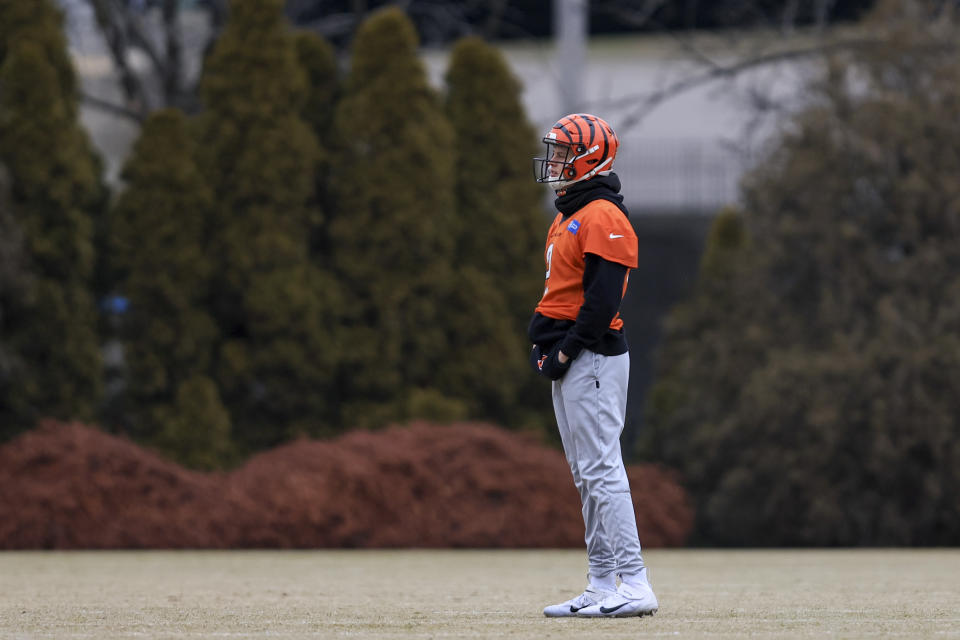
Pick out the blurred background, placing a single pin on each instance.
(228, 226)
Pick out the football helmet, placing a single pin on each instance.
(579, 146)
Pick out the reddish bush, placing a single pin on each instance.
(69, 486)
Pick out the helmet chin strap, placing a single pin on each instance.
(562, 186)
(597, 169)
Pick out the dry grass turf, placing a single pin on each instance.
(472, 594)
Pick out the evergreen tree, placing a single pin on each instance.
(273, 308)
(394, 231)
(40, 23)
(318, 59)
(817, 406)
(701, 347)
(157, 243)
(15, 283)
(499, 248)
(49, 331)
(195, 428)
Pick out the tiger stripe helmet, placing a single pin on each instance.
(579, 146)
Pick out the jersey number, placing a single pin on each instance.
(549, 264)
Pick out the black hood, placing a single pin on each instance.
(579, 194)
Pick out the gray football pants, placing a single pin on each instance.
(590, 402)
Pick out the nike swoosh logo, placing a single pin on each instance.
(614, 236)
(574, 609)
(612, 609)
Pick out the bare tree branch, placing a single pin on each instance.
(140, 37)
(172, 69)
(159, 33)
(115, 37)
(638, 18)
(109, 107)
(642, 104)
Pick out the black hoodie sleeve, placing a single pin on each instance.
(602, 294)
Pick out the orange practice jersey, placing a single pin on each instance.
(599, 228)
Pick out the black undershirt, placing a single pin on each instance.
(602, 294)
(602, 286)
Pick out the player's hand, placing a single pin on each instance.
(548, 364)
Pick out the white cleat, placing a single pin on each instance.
(590, 597)
(628, 601)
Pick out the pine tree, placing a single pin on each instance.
(317, 58)
(195, 428)
(15, 283)
(157, 243)
(273, 308)
(54, 191)
(40, 23)
(394, 230)
(500, 245)
(707, 338)
(808, 396)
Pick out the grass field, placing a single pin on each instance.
(472, 594)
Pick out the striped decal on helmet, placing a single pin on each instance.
(606, 145)
(562, 127)
(593, 130)
(573, 121)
